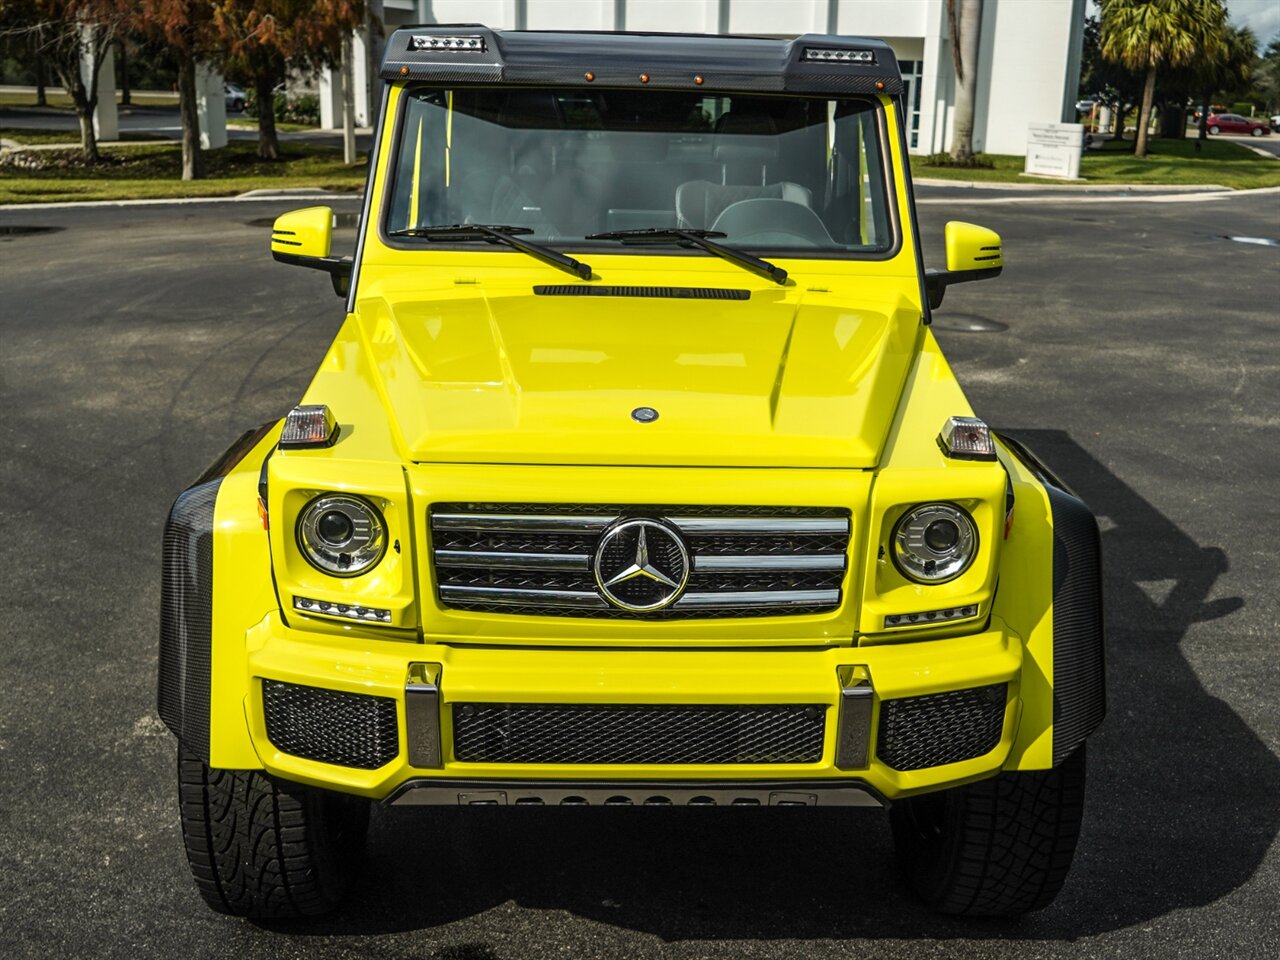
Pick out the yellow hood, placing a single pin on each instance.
(785, 378)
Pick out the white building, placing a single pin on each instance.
(1029, 50)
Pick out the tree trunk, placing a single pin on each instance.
(268, 142)
(969, 23)
(88, 136)
(126, 98)
(1203, 133)
(192, 157)
(42, 99)
(348, 103)
(1144, 115)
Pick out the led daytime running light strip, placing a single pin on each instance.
(346, 611)
(931, 616)
(458, 44)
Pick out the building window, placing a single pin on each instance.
(912, 71)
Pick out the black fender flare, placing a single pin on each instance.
(1079, 668)
(186, 600)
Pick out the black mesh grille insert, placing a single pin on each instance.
(560, 733)
(938, 728)
(347, 729)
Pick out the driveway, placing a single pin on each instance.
(139, 341)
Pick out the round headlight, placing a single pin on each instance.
(341, 535)
(934, 542)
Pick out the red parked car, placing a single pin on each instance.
(1234, 123)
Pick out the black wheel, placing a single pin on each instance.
(1213, 130)
(997, 848)
(265, 848)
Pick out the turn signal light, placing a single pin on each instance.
(967, 438)
(309, 425)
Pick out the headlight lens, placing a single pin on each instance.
(341, 535)
(934, 542)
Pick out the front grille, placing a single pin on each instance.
(938, 728)
(560, 733)
(537, 559)
(347, 729)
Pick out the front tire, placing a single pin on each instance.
(1256, 132)
(997, 848)
(265, 848)
(1214, 131)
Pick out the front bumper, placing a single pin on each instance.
(424, 682)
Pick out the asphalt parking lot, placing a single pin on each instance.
(1129, 343)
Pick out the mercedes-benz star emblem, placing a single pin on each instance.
(641, 565)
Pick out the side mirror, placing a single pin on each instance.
(973, 253)
(303, 238)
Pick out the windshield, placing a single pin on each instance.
(771, 173)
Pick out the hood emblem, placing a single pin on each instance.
(641, 565)
(644, 414)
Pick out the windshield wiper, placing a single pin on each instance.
(496, 233)
(697, 238)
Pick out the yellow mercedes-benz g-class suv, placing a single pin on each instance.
(633, 477)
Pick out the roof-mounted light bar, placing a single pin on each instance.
(967, 438)
(837, 55)
(309, 425)
(471, 44)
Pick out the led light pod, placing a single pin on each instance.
(309, 425)
(838, 56)
(341, 535)
(455, 44)
(931, 616)
(934, 543)
(347, 611)
(967, 438)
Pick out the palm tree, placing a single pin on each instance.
(965, 20)
(1144, 34)
(1229, 71)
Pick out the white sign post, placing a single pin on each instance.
(1053, 149)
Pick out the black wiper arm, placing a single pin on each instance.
(698, 238)
(495, 233)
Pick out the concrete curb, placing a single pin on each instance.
(1047, 187)
(253, 196)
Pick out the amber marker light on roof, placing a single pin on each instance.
(644, 78)
(404, 71)
(589, 76)
(698, 79)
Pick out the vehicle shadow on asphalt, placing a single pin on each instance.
(1181, 804)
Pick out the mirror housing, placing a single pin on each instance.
(973, 253)
(303, 238)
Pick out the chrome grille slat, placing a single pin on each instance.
(514, 561)
(760, 598)
(517, 597)
(778, 526)
(767, 562)
(518, 523)
(538, 559)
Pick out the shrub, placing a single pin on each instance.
(944, 160)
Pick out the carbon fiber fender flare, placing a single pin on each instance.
(186, 600)
(1079, 672)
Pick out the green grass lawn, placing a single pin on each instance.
(72, 137)
(58, 99)
(1172, 162)
(153, 171)
(239, 122)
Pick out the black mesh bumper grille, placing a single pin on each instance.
(938, 728)
(347, 729)
(556, 733)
